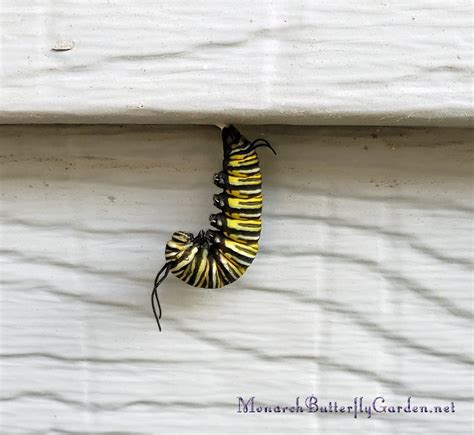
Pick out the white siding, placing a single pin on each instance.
(340, 62)
(362, 287)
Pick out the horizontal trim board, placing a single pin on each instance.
(328, 62)
(362, 286)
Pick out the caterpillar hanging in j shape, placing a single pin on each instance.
(216, 258)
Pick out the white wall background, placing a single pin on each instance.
(363, 285)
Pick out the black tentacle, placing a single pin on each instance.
(264, 143)
(155, 302)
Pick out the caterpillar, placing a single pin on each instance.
(217, 257)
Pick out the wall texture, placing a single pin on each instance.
(341, 62)
(363, 286)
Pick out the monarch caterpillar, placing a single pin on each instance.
(216, 258)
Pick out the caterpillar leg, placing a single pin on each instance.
(217, 220)
(220, 179)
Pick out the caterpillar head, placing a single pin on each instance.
(231, 138)
(200, 239)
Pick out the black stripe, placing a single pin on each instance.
(210, 282)
(245, 187)
(226, 276)
(254, 214)
(255, 236)
(243, 208)
(248, 224)
(249, 178)
(243, 260)
(242, 165)
(243, 232)
(195, 265)
(185, 255)
(245, 195)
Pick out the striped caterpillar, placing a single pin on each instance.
(216, 258)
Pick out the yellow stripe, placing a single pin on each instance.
(227, 262)
(202, 272)
(244, 193)
(212, 273)
(178, 245)
(245, 162)
(248, 250)
(243, 157)
(219, 280)
(189, 271)
(180, 254)
(244, 262)
(243, 214)
(255, 202)
(202, 267)
(243, 238)
(186, 260)
(244, 225)
(242, 172)
(245, 181)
